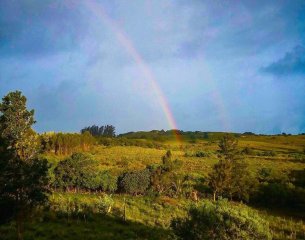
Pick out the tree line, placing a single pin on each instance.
(66, 143)
(102, 131)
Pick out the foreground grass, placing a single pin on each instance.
(150, 211)
(95, 227)
(146, 218)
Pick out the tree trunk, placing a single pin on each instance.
(125, 210)
(194, 196)
(214, 196)
(19, 225)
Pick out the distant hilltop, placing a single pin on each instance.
(162, 135)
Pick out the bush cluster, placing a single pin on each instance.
(200, 154)
(277, 190)
(80, 171)
(220, 221)
(80, 206)
(121, 141)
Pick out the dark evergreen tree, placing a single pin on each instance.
(23, 178)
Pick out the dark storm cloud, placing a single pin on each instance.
(38, 28)
(239, 28)
(293, 63)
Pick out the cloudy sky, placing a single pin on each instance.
(221, 65)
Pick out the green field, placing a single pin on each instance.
(149, 217)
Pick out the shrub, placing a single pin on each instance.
(135, 182)
(104, 204)
(248, 151)
(298, 177)
(271, 175)
(108, 182)
(279, 190)
(221, 221)
(280, 195)
(199, 154)
(78, 171)
(270, 153)
(297, 157)
(79, 206)
(168, 164)
(163, 177)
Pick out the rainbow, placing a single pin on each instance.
(99, 12)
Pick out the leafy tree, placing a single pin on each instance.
(221, 221)
(230, 176)
(244, 183)
(220, 178)
(163, 176)
(23, 177)
(228, 148)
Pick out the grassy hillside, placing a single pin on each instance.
(187, 136)
(149, 217)
(287, 154)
